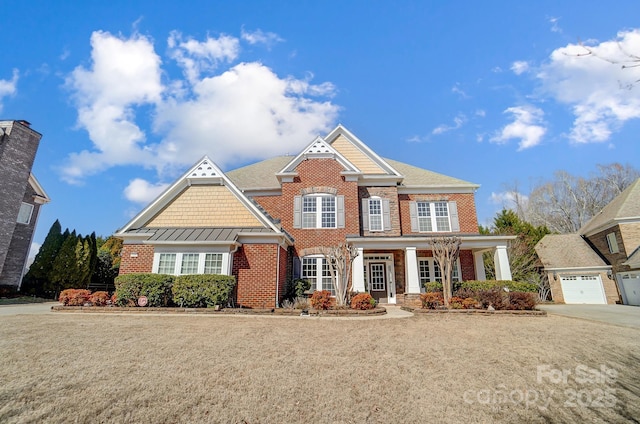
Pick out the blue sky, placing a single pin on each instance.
(128, 95)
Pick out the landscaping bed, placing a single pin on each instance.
(534, 312)
(211, 311)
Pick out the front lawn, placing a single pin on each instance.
(59, 368)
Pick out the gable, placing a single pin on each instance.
(624, 207)
(204, 206)
(354, 155)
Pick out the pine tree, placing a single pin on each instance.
(37, 278)
(65, 267)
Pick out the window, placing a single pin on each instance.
(375, 215)
(613, 243)
(310, 266)
(24, 216)
(190, 263)
(429, 271)
(433, 216)
(319, 211)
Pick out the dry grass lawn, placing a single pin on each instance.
(61, 368)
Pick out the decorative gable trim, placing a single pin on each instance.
(318, 149)
(204, 172)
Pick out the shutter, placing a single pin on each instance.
(365, 214)
(413, 214)
(386, 215)
(297, 269)
(297, 212)
(340, 211)
(453, 216)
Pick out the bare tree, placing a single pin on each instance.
(446, 250)
(340, 258)
(567, 202)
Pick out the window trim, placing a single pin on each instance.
(319, 278)
(432, 218)
(23, 207)
(432, 271)
(380, 215)
(337, 215)
(612, 242)
(225, 259)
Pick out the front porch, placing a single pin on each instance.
(394, 270)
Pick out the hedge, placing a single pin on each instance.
(201, 290)
(156, 288)
(515, 286)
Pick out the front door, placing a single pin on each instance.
(378, 281)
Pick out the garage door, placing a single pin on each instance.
(631, 286)
(582, 289)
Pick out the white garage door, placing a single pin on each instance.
(631, 287)
(582, 289)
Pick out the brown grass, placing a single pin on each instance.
(164, 369)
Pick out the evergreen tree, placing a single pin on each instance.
(107, 263)
(65, 268)
(37, 278)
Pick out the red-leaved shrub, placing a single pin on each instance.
(321, 300)
(522, 300)
(470, 303)
(431, 300)
(363, 301)
(100, 298)
(74, 297)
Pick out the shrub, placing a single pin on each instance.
(470, 303)
(522, 300)
(456, 302)
(477, 285)
(99, 298)
(495, 297)
(433, 286)
(431, 300)
(202, 290)
(156, 287)
(301, 302)
(321, 299)
(74, 297)
(363, 301)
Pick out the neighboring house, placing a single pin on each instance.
(264, 223)
(20, 198)
(600, 264)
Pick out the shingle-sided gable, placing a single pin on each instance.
(625, 206)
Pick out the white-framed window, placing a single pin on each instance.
(319, 211)
(184, 263)
(319, 280)
(24, 215)
(612, 241)
(433, 216)
(429, 271)
(375, 214)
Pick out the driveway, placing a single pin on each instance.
(625, 315)
(27, 308)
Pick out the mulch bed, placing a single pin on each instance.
(534, 312)
(211, 311)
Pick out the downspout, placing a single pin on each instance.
(277, 274)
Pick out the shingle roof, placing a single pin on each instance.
(567, 251)
(625, 205)
(262, 175)
(197, 234)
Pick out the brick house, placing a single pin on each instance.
(600, 264)
(20, 198)
(264, 223)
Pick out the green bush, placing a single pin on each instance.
(488, 285)
(156, 287)
(432, 287)
(202, 290)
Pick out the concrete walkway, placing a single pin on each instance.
(624, 315)
(27, 308)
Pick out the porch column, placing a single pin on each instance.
(357, 272)
(478, 261)
(503, 270)
(411, 270)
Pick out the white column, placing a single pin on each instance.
(357, 272)
(478, 261)
(501, 260)
(411, 270)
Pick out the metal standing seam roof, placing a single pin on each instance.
(197, 234)
(567, 251)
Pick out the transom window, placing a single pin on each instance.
(429, 271)
(433, 216)
(319, 281)
(190, 263)
(319, 211)
(375, 214)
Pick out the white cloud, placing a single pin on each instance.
(593, 81)
(526, 127)
(481, 113)
(124, 73)
(142, 191)
(260, 37)
(196, 57)
(554, 24)
(519, 67)
(231, 113)
(508, 199)
(33, 251)
(459, 91)
(8, 87)
(458, 122)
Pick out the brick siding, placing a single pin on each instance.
(142, 263)
(466, 209)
